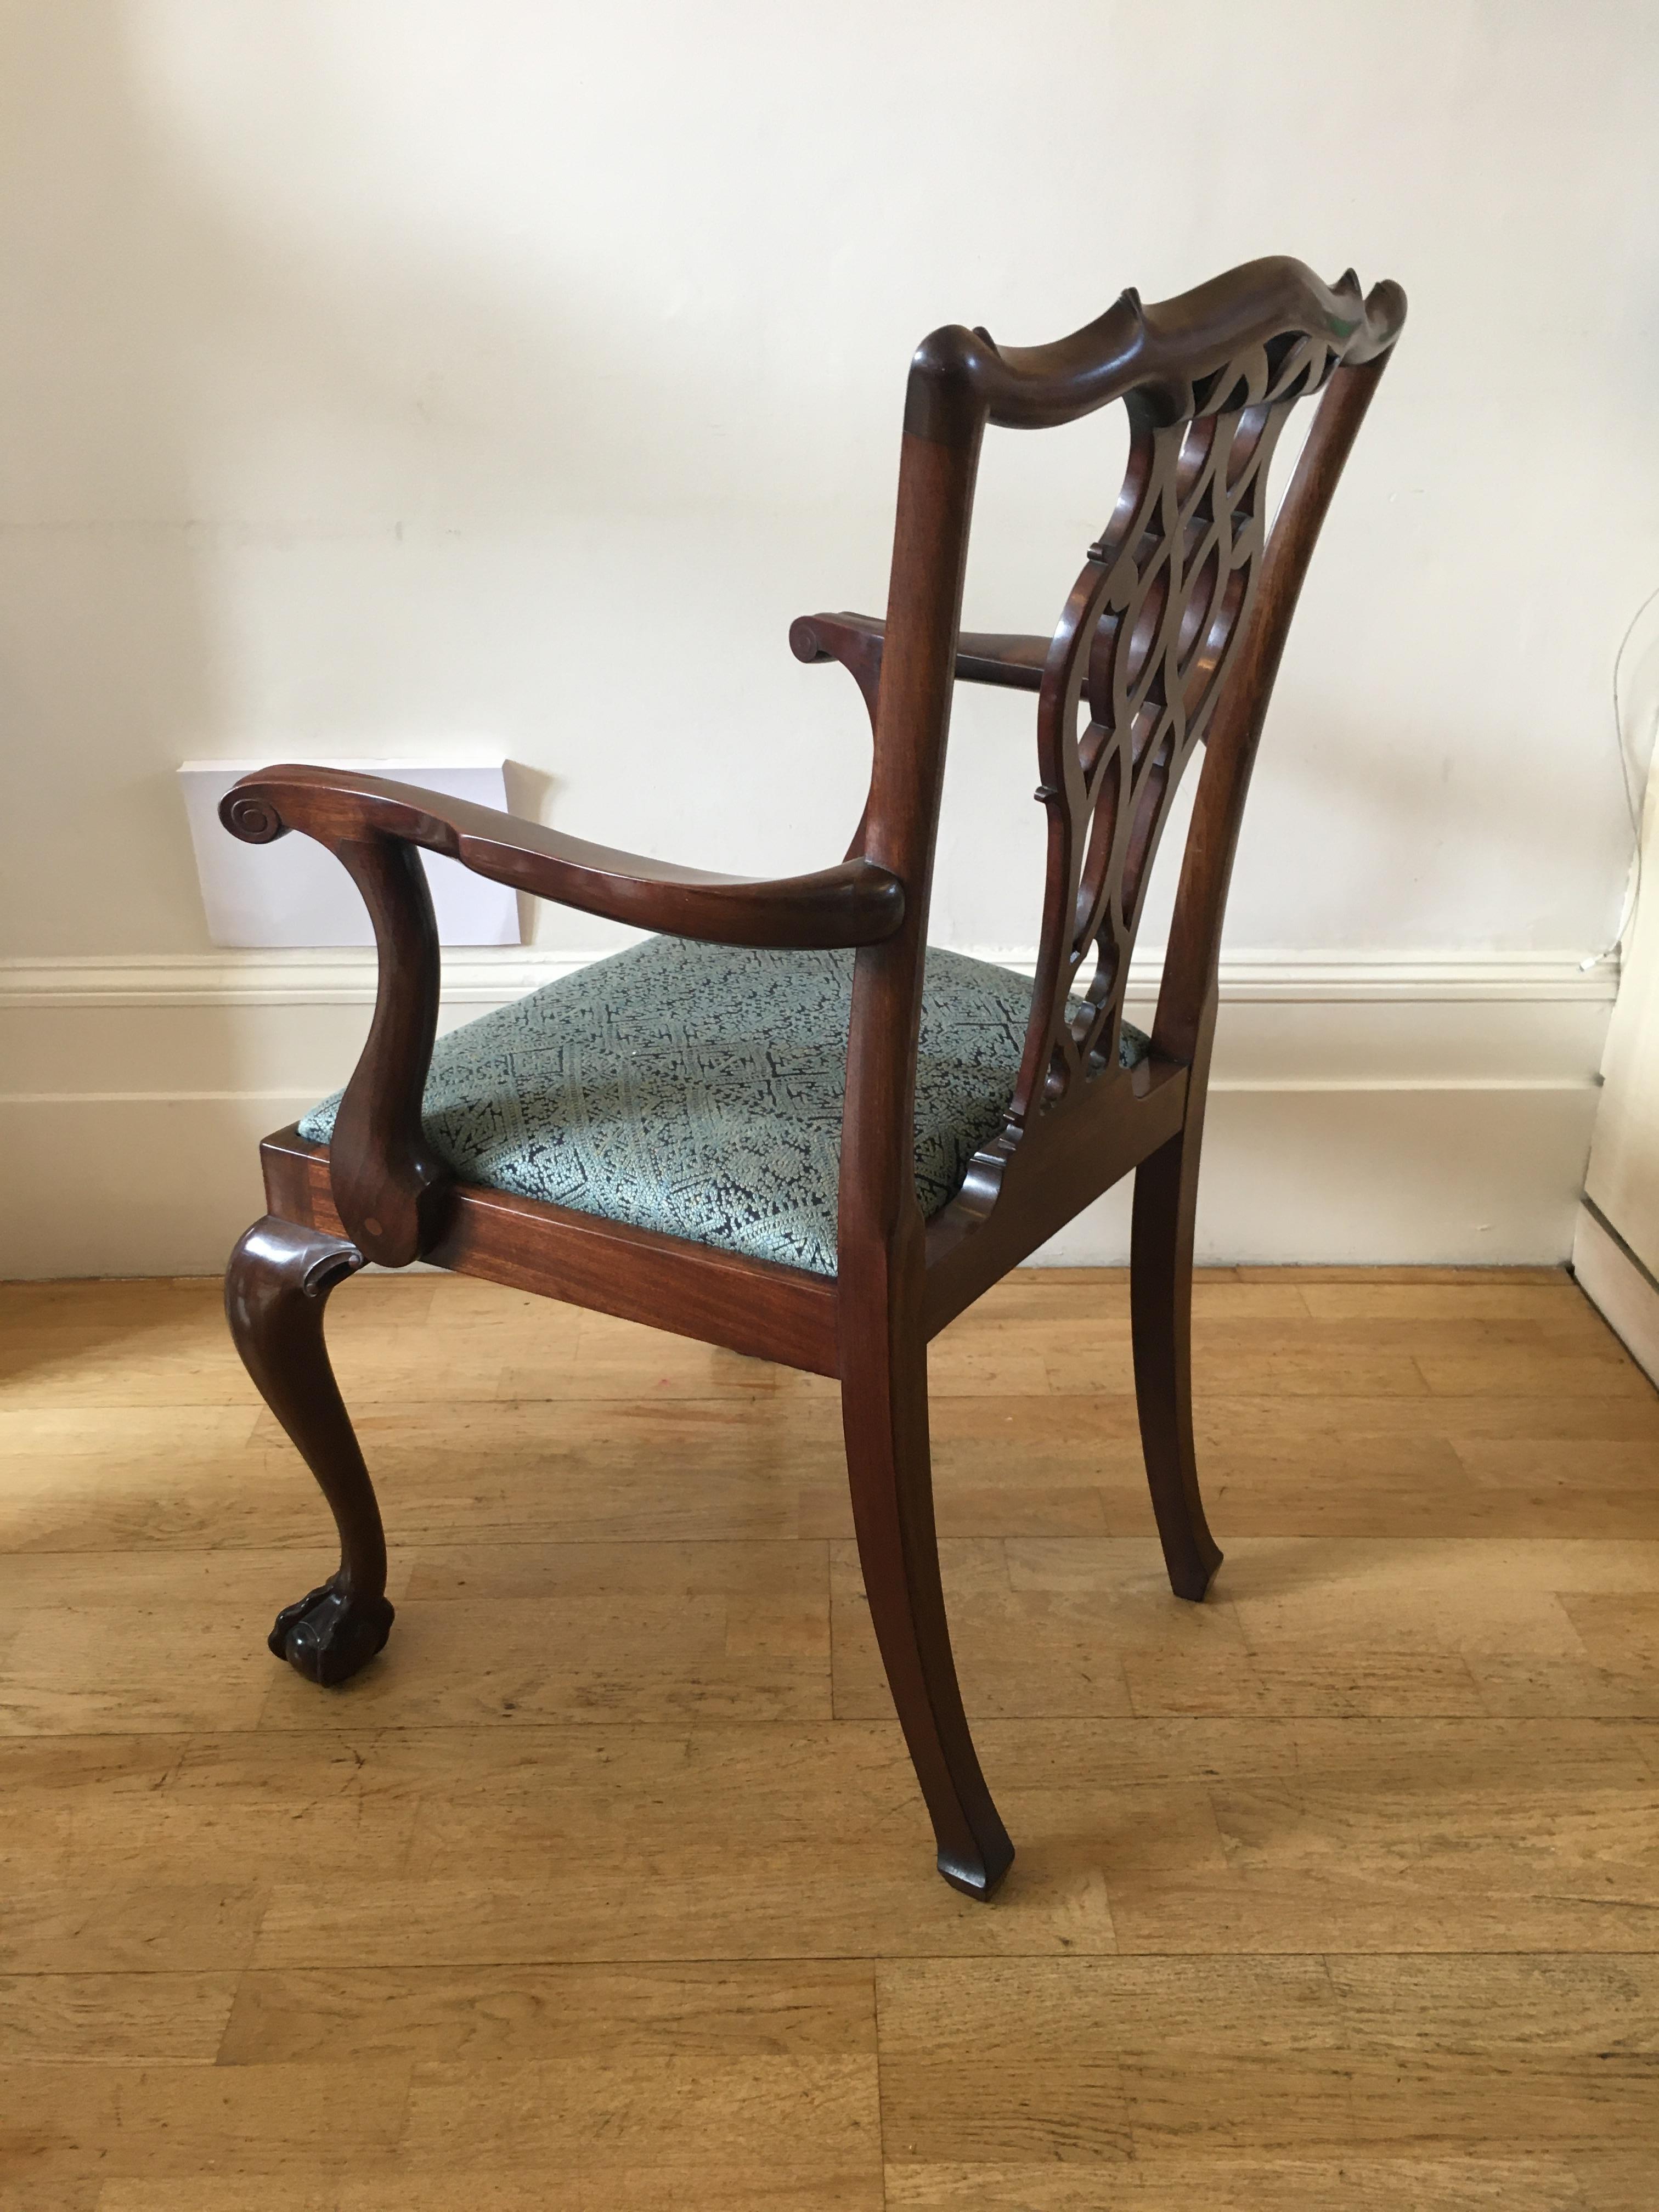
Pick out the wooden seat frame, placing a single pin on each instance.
(1172, 633)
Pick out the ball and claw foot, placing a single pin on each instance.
(330, 1634)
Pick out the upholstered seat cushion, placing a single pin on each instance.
(696, 1089)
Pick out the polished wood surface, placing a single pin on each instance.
(850, 904)
(277, 1287)
(1181, 355)
(1011, 663)
(599, 1888)
(721, 1297)
(1170, 639)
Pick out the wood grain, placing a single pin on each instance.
(601, 1889)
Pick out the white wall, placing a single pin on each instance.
(380, 374)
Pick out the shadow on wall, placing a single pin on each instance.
(157, 330)
(243, 363)
(234, 372)
(109, 657)
(227, 376)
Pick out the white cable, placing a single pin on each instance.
(1632, 803)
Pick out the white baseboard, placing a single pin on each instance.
(490, 974)
(1618, 1286)
(1409, 1108)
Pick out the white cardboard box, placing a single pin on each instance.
(294, 892)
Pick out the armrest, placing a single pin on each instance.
(855, 903)
(982, 656)
(1000, 656)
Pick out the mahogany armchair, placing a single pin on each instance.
(843, 1142)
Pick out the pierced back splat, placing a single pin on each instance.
(1143, 650)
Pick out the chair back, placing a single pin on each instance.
(1148, 640)
(1171, 636)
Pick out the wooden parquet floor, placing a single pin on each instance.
(608, 1885)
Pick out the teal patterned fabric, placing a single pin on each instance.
(696, 1089)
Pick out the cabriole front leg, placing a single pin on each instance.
(275, 1288)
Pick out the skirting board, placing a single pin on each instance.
(1382, 1109)
(1619, 1286)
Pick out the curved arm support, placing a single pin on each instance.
(388, 1181)
(858, 641)
(853, 903)
(855, 640)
